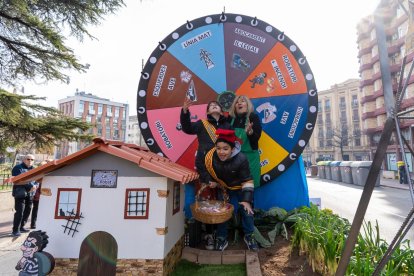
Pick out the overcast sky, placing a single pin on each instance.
(324, 30)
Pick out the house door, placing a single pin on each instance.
(98, 255)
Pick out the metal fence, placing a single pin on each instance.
(3, 177)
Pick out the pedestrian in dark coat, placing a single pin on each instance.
(23, 196)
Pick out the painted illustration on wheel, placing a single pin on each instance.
(214, 58)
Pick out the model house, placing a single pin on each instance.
(112, 207)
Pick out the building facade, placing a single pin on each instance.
(337, 134)
(109, 119)
(398, 32)
(134, 132)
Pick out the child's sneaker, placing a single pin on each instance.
(221, 244)
(251, 243)
(209, 242)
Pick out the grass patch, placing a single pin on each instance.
(186, 268)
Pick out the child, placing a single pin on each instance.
(228, 167)
(205, 131)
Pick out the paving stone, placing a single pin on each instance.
(190, 254)
(234, 257)
(252, 264)
(209, 257)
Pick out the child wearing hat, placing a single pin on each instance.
(228, 167)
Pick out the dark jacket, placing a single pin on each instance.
(204, 141)
(22, 168)
(240, 122)
(235, 172)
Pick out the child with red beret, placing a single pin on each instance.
(228, 167)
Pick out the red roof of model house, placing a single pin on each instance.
(131, 152)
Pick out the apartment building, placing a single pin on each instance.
(134, 132)
(337, 134)
(399, 37)
(109, 119)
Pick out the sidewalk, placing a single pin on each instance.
(7, 241)
(384, 182)
(393, 183)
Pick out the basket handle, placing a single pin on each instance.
(204, 186)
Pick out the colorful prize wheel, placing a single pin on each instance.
(215, 58)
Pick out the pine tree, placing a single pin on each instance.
(30, 124)
(32, 47)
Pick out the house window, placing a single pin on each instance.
(68, 201)
(176, 197)
(136, 203)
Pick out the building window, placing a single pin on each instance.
(343, 116)
(342, 103)
(91, 108)
(328, 118)
(124, 112)
(116, 112)
(108, 110)
(116, 134)
(320, 120)
(319, 106)
(68, 203)
(321, 144)
(81, 107)
(355, 115)
(320, 134)
(136, 203)
(100, 107)
(354, 101)
(327, 105)
(176, 197)
(329, 133)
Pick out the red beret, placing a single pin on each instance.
(227, 135)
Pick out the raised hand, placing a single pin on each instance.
(187, 103)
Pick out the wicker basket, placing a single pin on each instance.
(212, 217)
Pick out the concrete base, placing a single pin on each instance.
(251, 259)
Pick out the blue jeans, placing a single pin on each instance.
(247, 219)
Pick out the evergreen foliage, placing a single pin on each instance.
(32, 47)
(31, 124)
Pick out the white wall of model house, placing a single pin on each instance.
(103, 210)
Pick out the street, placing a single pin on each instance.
(389, 206)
